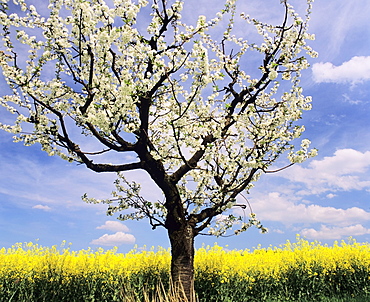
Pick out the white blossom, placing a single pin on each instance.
(273, 74)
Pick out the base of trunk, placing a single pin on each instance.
(182, 263)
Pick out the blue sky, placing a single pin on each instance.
(327, 198)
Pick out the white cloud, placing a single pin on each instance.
(334, 22)
(326, 232)
(346, 170)
(353, 71)
(293, 203)
(114, 226)
(281, 208)
(116, 239)
(344, 161)
(349, 100)
(41, 207)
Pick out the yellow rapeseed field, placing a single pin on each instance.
(30, 261)
(300, 269)
(276, 262)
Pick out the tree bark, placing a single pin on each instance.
(182, 262)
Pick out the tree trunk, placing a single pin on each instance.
(182, 262)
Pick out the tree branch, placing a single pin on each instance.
(277, 170)
(193, 161)
(109, 167)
